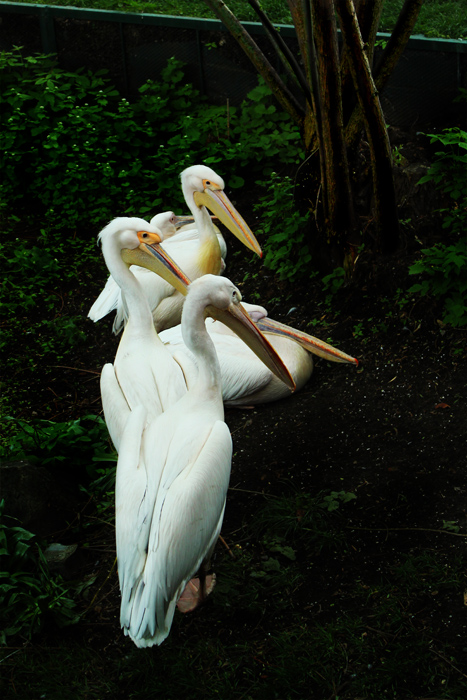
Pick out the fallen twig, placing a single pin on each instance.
(78, 369)
(227, 547)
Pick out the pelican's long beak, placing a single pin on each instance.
(309, 342)
(183, 220)
(217, 201)
(153, 257)
(236, 318)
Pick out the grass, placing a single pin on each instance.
(438, 18)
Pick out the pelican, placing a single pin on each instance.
(203, 189)
(165, 417)
(170, 224)
(245, 380)
(183, 226)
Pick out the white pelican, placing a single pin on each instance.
(202, 188)
(245, 380)
(184, 228)
(165, 417)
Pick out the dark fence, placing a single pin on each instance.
(134, 47)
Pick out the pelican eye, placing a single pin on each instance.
(148, 237)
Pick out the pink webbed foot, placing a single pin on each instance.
(195, 593)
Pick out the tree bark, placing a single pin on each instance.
(387, 61)
(337, 196)
(397, 41)
(368, 15)
(262, 65)
(381, 159)
(312, 123)
(289, 61)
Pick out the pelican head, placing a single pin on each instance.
(204, 187)
(138, 243)
(169, 223)
(221, 299)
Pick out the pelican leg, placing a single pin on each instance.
(196, 591)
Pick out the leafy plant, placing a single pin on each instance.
(445, 270)
(448, 175)
(444, 266)
(77, 443)
(74, 149)
(334, 500)
(29, 593)
(286, 248)
(334, 281)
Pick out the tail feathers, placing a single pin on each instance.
(147, 616)
(108, 300)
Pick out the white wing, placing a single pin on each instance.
(179, 519)
(108, 300)
(245, 380)
(115, 405)
(155, 381)
(130, 490)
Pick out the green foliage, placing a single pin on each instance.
(285, 243)
(444, 266)
(334, 500)
(75, 151)
(448, 174)
(29, 593)
(74, 444)
(445, 270)
(334, 281)
(38, 275)
(248, 140)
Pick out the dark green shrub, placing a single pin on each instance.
(285, 244)
(444, 266)
(77, 153)
(29, 593)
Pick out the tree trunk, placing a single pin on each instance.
(329, 83)
(380, 150)
(283, 95)
(387, 62)
(312, 126)
(337, 196)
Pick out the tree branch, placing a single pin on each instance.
(397, 41)
(381, 159)
(388, 60)
(336, 187)
(288, 59)
(286, 99)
